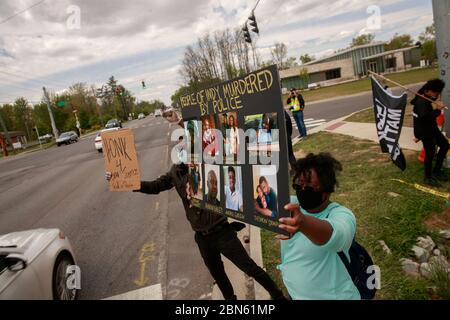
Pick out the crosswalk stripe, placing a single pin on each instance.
(309, 123)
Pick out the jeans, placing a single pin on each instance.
(226, 242)
(298, 116)
(429, 145)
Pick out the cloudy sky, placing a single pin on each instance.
(137, 40)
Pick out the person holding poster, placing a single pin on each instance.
(310, 263)
(426, 129)
(214, 235)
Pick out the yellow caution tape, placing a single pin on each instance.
(444, 195)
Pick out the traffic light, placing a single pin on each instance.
(253, 24)
(143, 85)
(120, 91)
(247, 37)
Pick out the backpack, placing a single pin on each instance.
(357, 267)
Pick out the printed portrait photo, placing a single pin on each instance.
(212, 184)
(233, 188)
(196, 181)
(229, 127)
(209, 138)
(192, 130)
(265, 190)
(264, 136)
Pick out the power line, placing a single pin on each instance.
(20, 12)
(40, 83)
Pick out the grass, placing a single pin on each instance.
(405, 78)
(30, 149)
(368, 116)
(364, 185)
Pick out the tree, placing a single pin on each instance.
(362, 39)
(7, 113)
(305, 58)
(399, 42)
(428, 40)
(22, 118)
(279, 53)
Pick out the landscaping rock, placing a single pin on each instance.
(410, 267)
(426, 243)
(439, 262)
(421, 254)
(437, 252)
(385, 247)
(445, 234)
(425, 270)
(393, 194)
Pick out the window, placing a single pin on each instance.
(391, 63)
(333, 74)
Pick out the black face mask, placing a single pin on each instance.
(309, 198)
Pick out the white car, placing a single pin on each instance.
(98, 139)
(141, 116)
(35, 264)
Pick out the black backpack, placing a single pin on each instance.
(360, 261)
(357, 269)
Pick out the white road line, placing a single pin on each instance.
(148, 293)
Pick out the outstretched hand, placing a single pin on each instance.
(292, 224)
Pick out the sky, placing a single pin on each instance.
(56, 43)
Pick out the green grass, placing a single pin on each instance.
(364, 185)
(368, 116)
(404, 78)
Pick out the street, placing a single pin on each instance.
(122, 241)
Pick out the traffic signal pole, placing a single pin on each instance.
(441, 12)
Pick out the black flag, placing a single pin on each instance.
(389, 113)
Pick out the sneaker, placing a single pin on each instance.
(440, 175)
(432, 182)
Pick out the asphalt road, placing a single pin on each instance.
(122, 241)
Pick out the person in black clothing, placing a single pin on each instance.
(425, 129)
(213, 234)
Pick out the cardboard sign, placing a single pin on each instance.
(121, 160)
(237, 149)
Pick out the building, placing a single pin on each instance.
(18, 140)
(350, 64)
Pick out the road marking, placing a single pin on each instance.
(309, 123)
(157, 206)
(153, 292)
(145, 256)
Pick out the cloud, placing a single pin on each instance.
(142, 39)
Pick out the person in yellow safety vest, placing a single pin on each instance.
(297, 105)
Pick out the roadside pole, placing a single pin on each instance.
(52, 120)
(441, 12)
(37, 132)
(8, 138)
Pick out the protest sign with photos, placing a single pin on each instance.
(121, 160)
(237, 144)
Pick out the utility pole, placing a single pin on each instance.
(8, 138)
(441, 12)
(52, 120)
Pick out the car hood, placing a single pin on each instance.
(29, 243)
(62, 139)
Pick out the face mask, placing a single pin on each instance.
(309, 199)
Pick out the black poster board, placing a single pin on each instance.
(257, 154)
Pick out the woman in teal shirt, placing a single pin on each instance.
(311, 267)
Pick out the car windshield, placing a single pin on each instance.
(65, 134)
(110, 125)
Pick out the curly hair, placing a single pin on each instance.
(325, 166)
